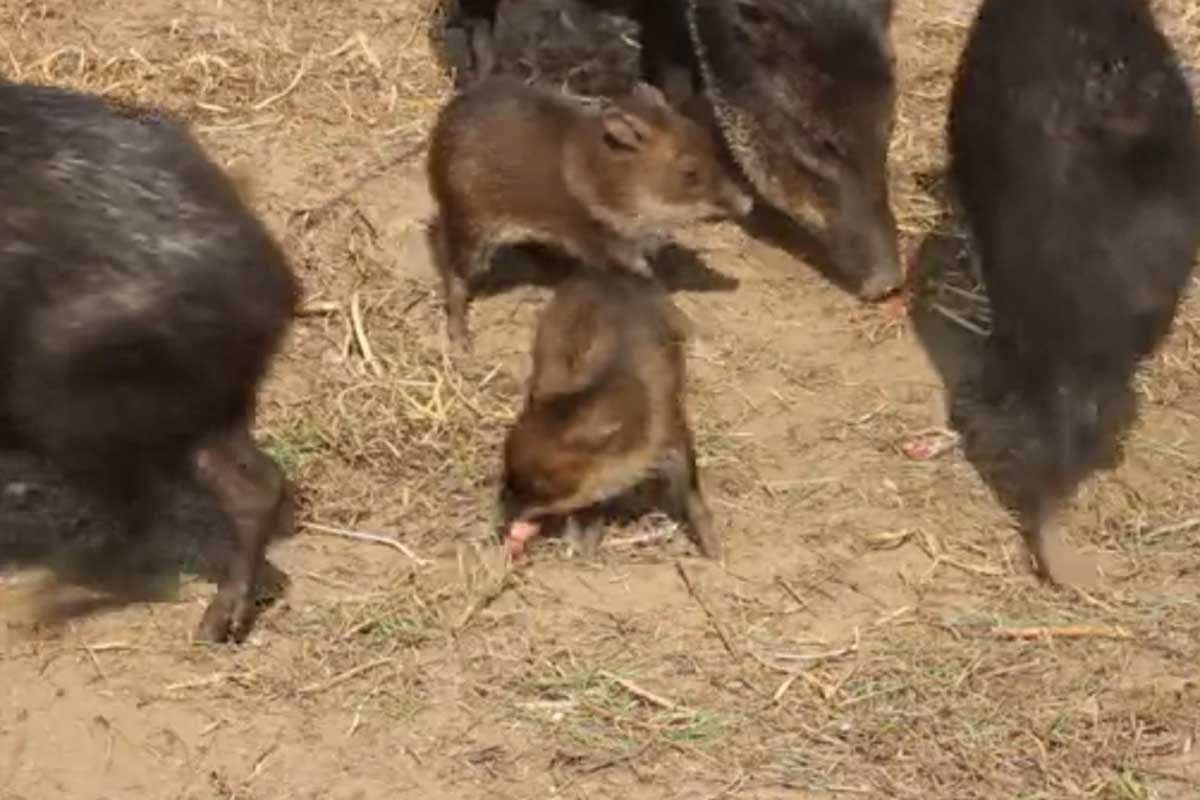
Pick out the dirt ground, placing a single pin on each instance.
(876, 632)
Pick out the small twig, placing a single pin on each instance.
(317, 308)
(360, 336)
(349, 674)
(687, 581)
(1169, 776)
(1167, 530)
(792, 593)
(783, 687)
(826, 656)
(963, 292)
(1063, 632)
(211, 680)
(109, 647)
(484, 600)
(971, 569)
(96, 663)
(637, 541)
(317, 214)
(959, 320)
(259, 106)
(373, 538)
(640, 693)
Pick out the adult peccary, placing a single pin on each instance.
(586, 47)
(804, 94)
(513, 163)
(141, 303)
(1075, 158)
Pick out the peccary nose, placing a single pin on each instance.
(873, 257)
(881, 283)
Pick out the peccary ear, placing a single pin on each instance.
(649, 94)
(622, 130)
(593, 431)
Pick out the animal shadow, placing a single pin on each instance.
(649, 496)
(1002, 439)
(772, 227)
(678, 269)
(45, 522)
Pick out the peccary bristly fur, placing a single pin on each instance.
(1075, 158)
(141, 303)
(804, 93)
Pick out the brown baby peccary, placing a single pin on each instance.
(604, 411)
(607, 183)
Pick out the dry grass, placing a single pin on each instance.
(877, 633)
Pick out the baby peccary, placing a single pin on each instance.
(1075, 157)
(141, 302)
(804, 94)
(605, 410)
(511, 163)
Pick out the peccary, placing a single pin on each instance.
(1075, 159)
(604, 410)
(510, 163)
(586, 47)
(466, 38)
(141, 303)
(804, 94)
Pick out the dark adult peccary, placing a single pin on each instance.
(586, 47)
(510, 163)
(804, 93)
(604, 411)
(1075, 158)
(466, 38)
(141, 303)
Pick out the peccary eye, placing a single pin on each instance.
(691, 176)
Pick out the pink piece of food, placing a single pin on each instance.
(519, 533)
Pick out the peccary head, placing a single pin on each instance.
(569, 452)
(646, 166)
(804, 94)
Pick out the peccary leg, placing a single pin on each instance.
(1033, 534)
(482, 48)
(457, 297)
(683, 493)
(253, 493)
(454, 257)
(584, 533)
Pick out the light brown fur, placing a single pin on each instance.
(511, 163)
(605, 408)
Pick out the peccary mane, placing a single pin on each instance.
(830, 40)
(585, 47)
(770, 68)
(844, 41)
